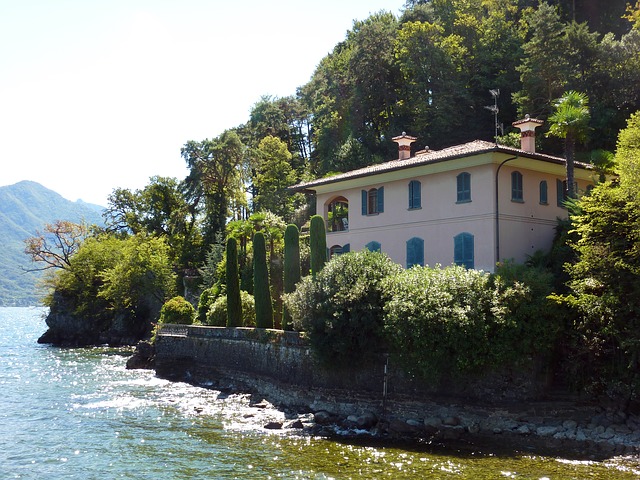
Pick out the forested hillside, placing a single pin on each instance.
(429, 71)
(24, 209)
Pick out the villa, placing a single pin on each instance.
(474, 204)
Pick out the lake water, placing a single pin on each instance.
(78, 413)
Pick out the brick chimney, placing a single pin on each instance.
(404, 142)
(527, 128)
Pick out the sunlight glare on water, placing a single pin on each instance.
(78, 413)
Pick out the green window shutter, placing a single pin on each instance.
(544, 197)
(415, 252)
(560, 192)
(463, 245)
(373, 246)
(463, 184)
(380, 199)
(346, 248)
(415, 194)
(516, 187)
(364, 202)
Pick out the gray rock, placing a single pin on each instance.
(569, 424)
(523, 430)
(546, 431)
(322, 417)
(432, 422)
(451, 421)
(273, 425)
(297, 424)
(366, 421)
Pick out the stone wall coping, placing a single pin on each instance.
(261, 335)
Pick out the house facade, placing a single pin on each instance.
(473, 204)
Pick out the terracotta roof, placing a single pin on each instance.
(433, 156)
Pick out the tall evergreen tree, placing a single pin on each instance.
(261, 291)
(291, 267)
(234, 304)
(318, 244)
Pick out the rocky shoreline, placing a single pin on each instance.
(569, 427)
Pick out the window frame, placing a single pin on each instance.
(544, 192)
(463, 187)
(372, 201)
(517, 187)
(464, 250)
(415, 252)
(415, 195)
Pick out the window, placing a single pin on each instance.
(373, 201)
(464, 187)
(415, 194)
(338, 215)
(373, 246)
(338, 250)
(516, 187)
(415, 252)
(463, 250)
(543, 193)
(561, 192)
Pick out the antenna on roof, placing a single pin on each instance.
(495, 93)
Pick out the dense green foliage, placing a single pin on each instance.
(177, 310)
(292, 273)
(261, 293)
(341, 307)
(217, 313)
(234, 305)
(110, 277)
(207, 297)
(605, 280)
(452, 320)
(317, 244)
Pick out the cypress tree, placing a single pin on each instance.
(318, 244)
(234, 305)
(261, 293)
(291, 267)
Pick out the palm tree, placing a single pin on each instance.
(571, 122)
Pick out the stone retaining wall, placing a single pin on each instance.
(506, 409)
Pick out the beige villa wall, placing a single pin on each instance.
(524, 226)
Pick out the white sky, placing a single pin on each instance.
(101, 94)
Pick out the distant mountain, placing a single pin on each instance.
(24, 209)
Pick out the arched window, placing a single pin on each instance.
(415, 194)
(373, 246)
(544, 194)
(463, 250)
(516, 187)
(415, 252)
(339, 250)
(338, 215)
(463, 183)
(373, 201)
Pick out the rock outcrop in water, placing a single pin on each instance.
(69, 328)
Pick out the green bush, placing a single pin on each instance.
(207, 297)
(341, 307)
(217, 314)
(453, 320)
(177, 310)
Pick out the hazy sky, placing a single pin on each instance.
(98, 94)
